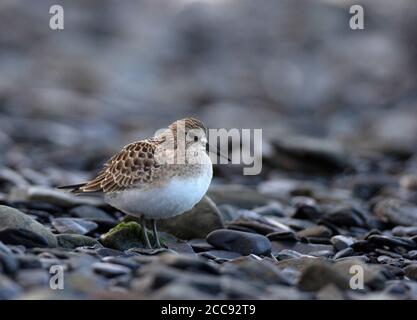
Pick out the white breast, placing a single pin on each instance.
(175, 197)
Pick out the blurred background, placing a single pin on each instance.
(342, 101)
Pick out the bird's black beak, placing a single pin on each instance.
(216, 150)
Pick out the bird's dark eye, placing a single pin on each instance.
(195, 138)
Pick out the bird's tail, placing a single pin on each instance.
(74, 188)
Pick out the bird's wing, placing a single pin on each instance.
(132, 166)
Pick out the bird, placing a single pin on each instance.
(157, 178)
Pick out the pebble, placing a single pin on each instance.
(288, 254)
(411, 271)
(91, 212)
(33, 278)
(203, 218)
(110, 269)
(392, 241)
(124, 236)
(55, 197)
(316, 231)
(13, 219)
(283, 236)
(200, 245)
(404, 231)
(29, 262)
(412, 255)
(188, 263)
(220, 255)
(308, 154)
(304, 248)
(74, 225)
(346, 217)
(4, 248)
(261, 227)
(179, 246)
(347, 252)
(23, 237)
(409, 182)
(8, 288)
(255, 270)
(397, 212)
(341, 242)
(307, 211)
(8, 263)
(272, 209)
(72, 241)
(243, 242)
(130, 263)
(237, 195)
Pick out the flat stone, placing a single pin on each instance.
(346, 217)
(57, 197)
(180, 291)
(200, 245)
(307, 211)
(33, 278)
(247, 268)
(180, 247)
(319, 275)
(110, 269)
(347, 252)
(404, 231)
(8, 263)
(22, 237)
(196, 223)
(412, 255)
(86, 211)
(293, 224)
(341, 242)
(411, 271)
(29, 262)
(304, 248)
(11, 218)
(392, 241)
(397, 212)
(8, 288)
(272, 209)
(261, 227)
(299, 264)
(238, 196)
(316, 231)
(72, 241)
(74, 225)
(242, 242)
(220, 255)
(124, 236)
(123, 261)
(283, 236)
(409, 182)
(308, 154)
(149, 252)
(4, 248)
(287, 254)
(188, 263)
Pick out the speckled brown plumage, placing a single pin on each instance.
(135, 165)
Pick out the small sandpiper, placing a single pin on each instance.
(159, 177)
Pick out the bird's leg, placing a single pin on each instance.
(155, 233)
(145, 232)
